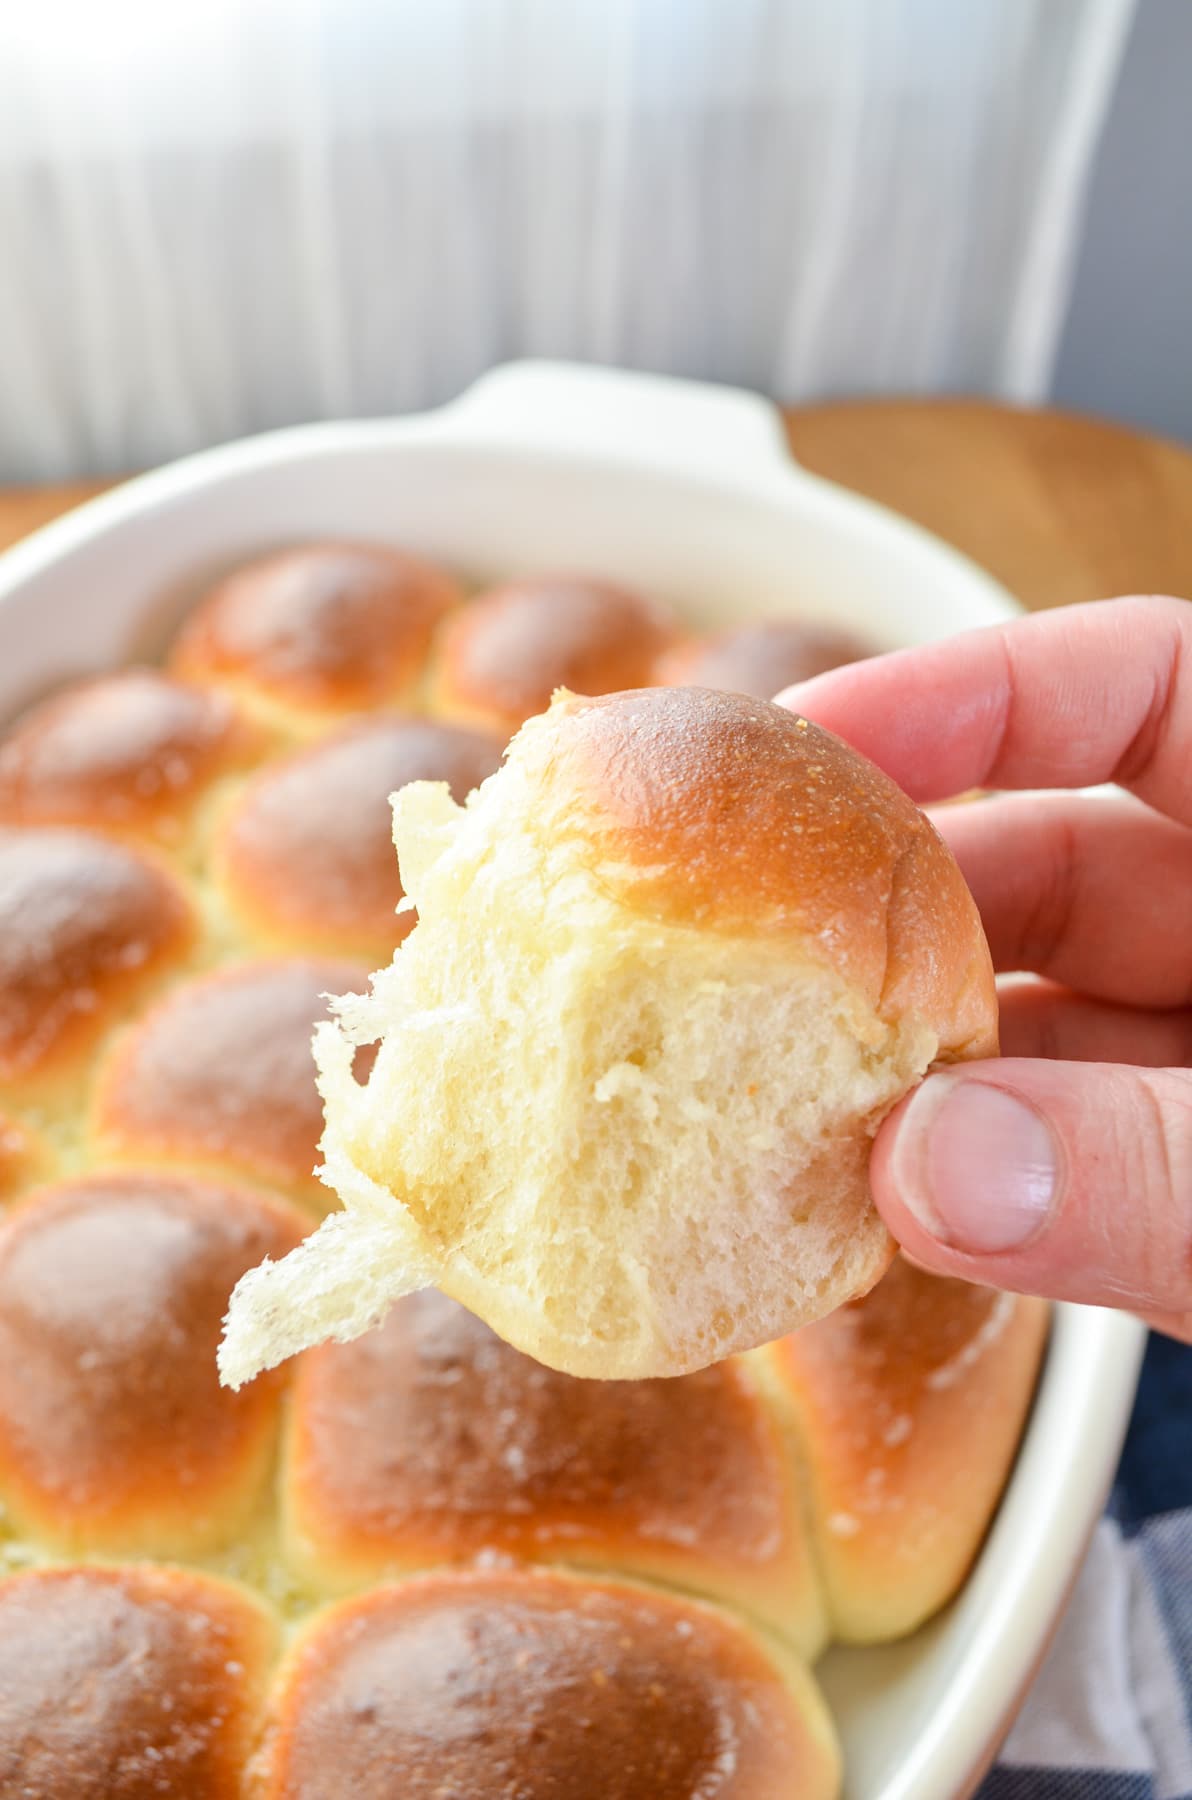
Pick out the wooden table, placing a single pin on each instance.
(1059, 508)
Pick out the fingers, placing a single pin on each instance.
(1072, 1180)
(1084, 695)
(1037, 1018)
(1095, 893)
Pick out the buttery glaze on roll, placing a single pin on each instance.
(908, 1406)
(306, 856)
(501, 657)
(674, 963)
(304, 637)
(520, 1686)
(114, 1431)
(129, 754)
(128, 1684)
(430, 1441)
(219, 1073)
(762, 658)
(86, 926)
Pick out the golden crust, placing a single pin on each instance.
(220, 1073)
(127, 1684)
(761, 658)
(86, 926)
(129, 753)
(114, 1431)
(23, 1158)
(504, 654)
(506, 1684)
(728, 813)
(306, 856)
(325, 629)
(431, 1441)
(908, 1405)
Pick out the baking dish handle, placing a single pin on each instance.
(689, 426)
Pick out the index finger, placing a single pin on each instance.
(1087, 694)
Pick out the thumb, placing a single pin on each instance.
(1072, 1180)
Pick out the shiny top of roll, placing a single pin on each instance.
(763, 657)
(503, 654)
(508, 1685)
(129, 752)
(128, 1684)
(220, 1071)
(307, 854)
(336, 627)
(430, 1439)
(727, 813)
(114, 1431)
(909, 1406)
(85, 925)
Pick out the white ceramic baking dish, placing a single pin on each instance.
(687, 492)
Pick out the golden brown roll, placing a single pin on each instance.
(129, 753)
(24, 1158)
(219, 1073)
(86, 926)
(306, 857)
(114, 1431)
(674, 963)
(430, 1441)
(128, 1684)
(503, 655)
(761, 658)
(540, 1687)
(306, 636)
(908, 1407)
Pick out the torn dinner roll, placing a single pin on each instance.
(674, 963)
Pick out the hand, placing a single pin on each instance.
(1065, 1168)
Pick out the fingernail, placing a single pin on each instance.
(976, 1165)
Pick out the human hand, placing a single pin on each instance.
(1065, 1168)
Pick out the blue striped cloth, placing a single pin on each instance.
(1110, 1716)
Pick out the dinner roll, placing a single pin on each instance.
(540, 1687)
(306, 857)
(219, 1074)
(307, 635)
(114, 1431)
(763, 657)
(128, 1684)
(86, 926)
(908, 1406)
(674, 963)
(129, 753)
(430, 1441)
(504, 654)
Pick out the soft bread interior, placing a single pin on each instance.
(630, 1146)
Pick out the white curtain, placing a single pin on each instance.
(217, 217)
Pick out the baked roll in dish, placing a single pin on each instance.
(304, 637)
(430, 1441)
(761, 658)
(129, 1684)
(501, 657)
(219, 1074)
(87, 928)
(674, 963)
(908, 1407)
(130, 754)
(523, 1686)
(305, 856)
(115, 1434)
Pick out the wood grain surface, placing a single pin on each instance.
(1059, 508)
